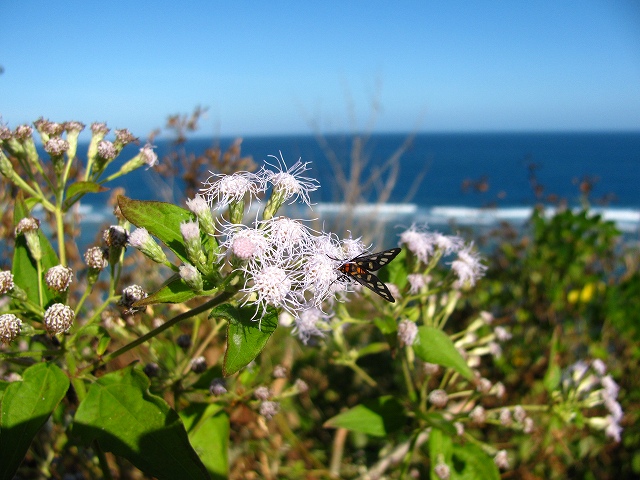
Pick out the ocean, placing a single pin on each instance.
(456, 179)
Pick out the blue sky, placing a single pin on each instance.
(271, 67)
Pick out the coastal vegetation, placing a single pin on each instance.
(217, 337)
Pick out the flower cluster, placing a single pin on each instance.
(586, 385)
(288, 266)
(429, 247)
(287, 184)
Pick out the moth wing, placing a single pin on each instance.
(373, 283)
(376, 261)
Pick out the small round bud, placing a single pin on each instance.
(73, 126)
(27, 224)
(198, 364)
(124, 137)
(59, 278)
(269, 409)
(5, 133)
(151, 369)
(501, 460)
(96, 258)
(519, 413)
(262, 393)
(301, 386)
(478, 415)
(483, 385)
(407, 332)
(22, 132)
(279, 372)
(56, 146)
(430, 368)
(442, 471)
(99, 128)
(184, 341)
(10, 327)
(218, 387)
(528, 425)
(106, 150)
(131, 295)
(438, 398)
(58, 318)
(505, 417)
(50, 128)
(115, 236)
(148, 155)
(6, 282)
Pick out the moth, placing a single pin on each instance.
(360, 268)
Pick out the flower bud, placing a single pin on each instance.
(141, 240)
(191, 277)
(29, 227)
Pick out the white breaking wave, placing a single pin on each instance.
(626, 219)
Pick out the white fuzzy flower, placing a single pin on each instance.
(288, 182)
(273, 281)
(245, 242)
(286, 233)
(501, 460)
(467, 266)
(502, 334)
(310, 323)
(417, 282)
(447, 244)
(269, 409)
(407, 332)
(225, 189)
(418, 241)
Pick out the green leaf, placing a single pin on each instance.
(389, 328)
(466, 462)
(160, 219)
(80, 188)
(125, 419)
(435, 346)
(245, 337)
(96, 332)
(26, 406)
(377, 417)
(208, 428)
(553, 374)
(24, 269)
(175, 291)
(373, 348)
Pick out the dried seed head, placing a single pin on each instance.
(10, 327)
(116, 236)
(198, 364)
(59, 278)
(58, 318)
(6, 282)
(96, 258)
(131, 295)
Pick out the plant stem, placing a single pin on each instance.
(178, 318)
